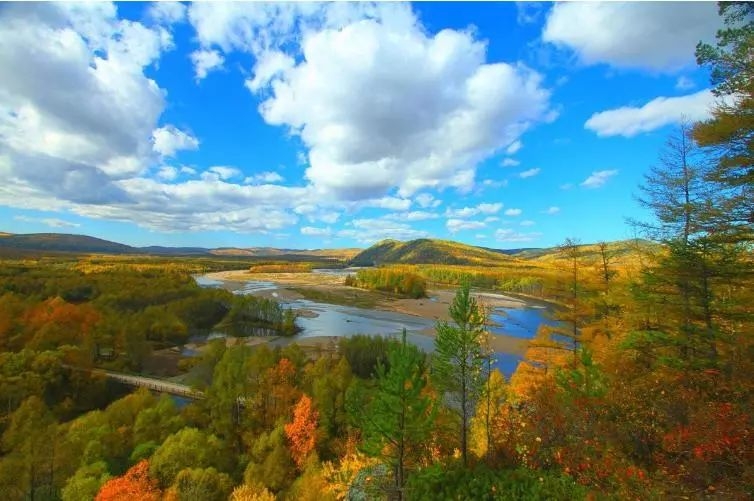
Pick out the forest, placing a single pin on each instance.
(642, 390)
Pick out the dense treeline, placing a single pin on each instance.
(281, 268)
(389, 279)
(110, 306)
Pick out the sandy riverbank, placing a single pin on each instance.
(434, 307)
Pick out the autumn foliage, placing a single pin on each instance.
(134, 484)
(302, 431)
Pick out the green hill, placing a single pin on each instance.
(427, 251)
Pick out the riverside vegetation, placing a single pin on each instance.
(643, 390)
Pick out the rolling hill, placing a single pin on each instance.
(427, 251)
(63, 242)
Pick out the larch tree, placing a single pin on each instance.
(729, 133)
(302, 430)
(398, 418)
(458, 361)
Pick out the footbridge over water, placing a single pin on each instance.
(159, 385)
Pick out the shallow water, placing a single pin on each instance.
(346, 321)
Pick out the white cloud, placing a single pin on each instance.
(456, 225)
(372, 230)
(221, 172)
(167, 173)
(513, 148)
(495, 184)
(463, 212)
(509, 235)
(425, 200)
(513, 212)
(489, 208)
(552, 210)
(466, 212)
(684, 83)
(264, 177)
(527, 222)
(270, 64)
(630, 121)
(169, 139)
(48, 221)
(316, 232)
(566, 186)
(491, 219)
(417, 215)
(77, 111)
(598, 178)
(204, 61)
(510, 162)
(659, 36)
(187, 170)
(480, 236)
(426, 123)
(167, 12)
(529, 173)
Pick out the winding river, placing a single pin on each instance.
(343, 321)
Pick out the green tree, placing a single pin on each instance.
(729, 133)
(30, 441)
(206, 484)
(86, 482)
(398, 418)
(458, 361)
(189, 448)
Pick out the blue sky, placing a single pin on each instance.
(305, 125)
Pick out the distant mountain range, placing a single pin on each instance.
(420, 251)
(64, 242)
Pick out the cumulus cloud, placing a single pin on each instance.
(529, 173)
(629, 121)
(552, 210)
(658, 36)
(167, 173)
(416, 215)
(598, 178)
(513, 212)
(167, 12)
(372, 230)
(426, 123)
(425, 200)
(221, 172)
(205, 61)
(264, 177)
(456, 225)
(489, 208)
(509, 162)
(169, 139)
(527, 222)
(466, 212)
(70, 62)
(509, 235)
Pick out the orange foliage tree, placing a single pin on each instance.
(134, 484)
(301, 432)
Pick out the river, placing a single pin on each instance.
(343, 321)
